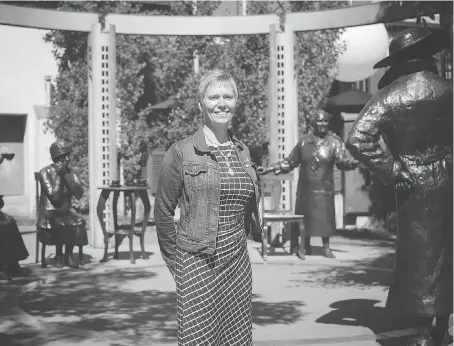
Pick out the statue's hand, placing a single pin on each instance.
(261, 170)
(64, 169)
(264, 170)
(58, 166)
(404, 182)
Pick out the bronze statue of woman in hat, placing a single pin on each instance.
(413, 113)
(59, 224)
(316, 153)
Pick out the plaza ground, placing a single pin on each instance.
(318, 301)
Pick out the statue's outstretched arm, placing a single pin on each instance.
(343, 158)
(286, 165)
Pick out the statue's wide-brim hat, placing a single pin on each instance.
(58, 149)
(414, 43)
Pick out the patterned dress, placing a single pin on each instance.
(214, 290)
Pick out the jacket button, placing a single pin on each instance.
(247, 166)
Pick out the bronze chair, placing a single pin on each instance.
(43, 246)
(274, 214)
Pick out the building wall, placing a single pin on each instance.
(22, 69)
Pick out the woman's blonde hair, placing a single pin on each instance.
(216, 77)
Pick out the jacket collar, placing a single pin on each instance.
(407, 68)
(201, 145)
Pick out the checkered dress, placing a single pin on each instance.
(214, 290)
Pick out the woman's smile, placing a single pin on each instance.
(219, 104)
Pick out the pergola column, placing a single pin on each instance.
(102, 119)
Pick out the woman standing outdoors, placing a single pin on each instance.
(211, 176)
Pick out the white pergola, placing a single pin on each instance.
(102, 72)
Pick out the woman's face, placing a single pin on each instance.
(218, 104)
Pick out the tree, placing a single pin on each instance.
(141, 80)
(150, 69)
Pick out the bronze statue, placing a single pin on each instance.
(12, 247)
(316, 153)
(59, 224)
(413, 113)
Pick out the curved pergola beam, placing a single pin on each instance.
(46, 19)
(206, 25)
(381, 12)
(192, 25)
(137, 24)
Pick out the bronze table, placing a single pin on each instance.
(129, 192)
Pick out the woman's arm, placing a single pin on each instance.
(170, 186)
(73, 183)
(342, 157)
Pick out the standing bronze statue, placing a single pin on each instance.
(59, 224)
(316, 153)
(413, 113)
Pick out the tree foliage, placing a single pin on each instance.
(150, 69)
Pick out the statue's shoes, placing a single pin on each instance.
(447, 340)
(298, 252)
(329, 254)
(421, 341)
(300, 255)
(14, 269)
(59, 261)
(70, 262)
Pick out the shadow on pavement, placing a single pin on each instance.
(364, 313)
(115, 301)
(359, 275)
(121, 305)
(124, 255)
(50, 258)
(283, 312)
(20, 336)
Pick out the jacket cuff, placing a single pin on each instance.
(170, 264)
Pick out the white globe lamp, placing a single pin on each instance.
(364, 46)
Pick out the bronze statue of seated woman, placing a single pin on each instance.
(58, 223)
(12, 247)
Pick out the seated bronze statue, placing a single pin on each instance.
(58, 223)
(12, 247)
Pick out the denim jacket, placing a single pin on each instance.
(190, 177)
